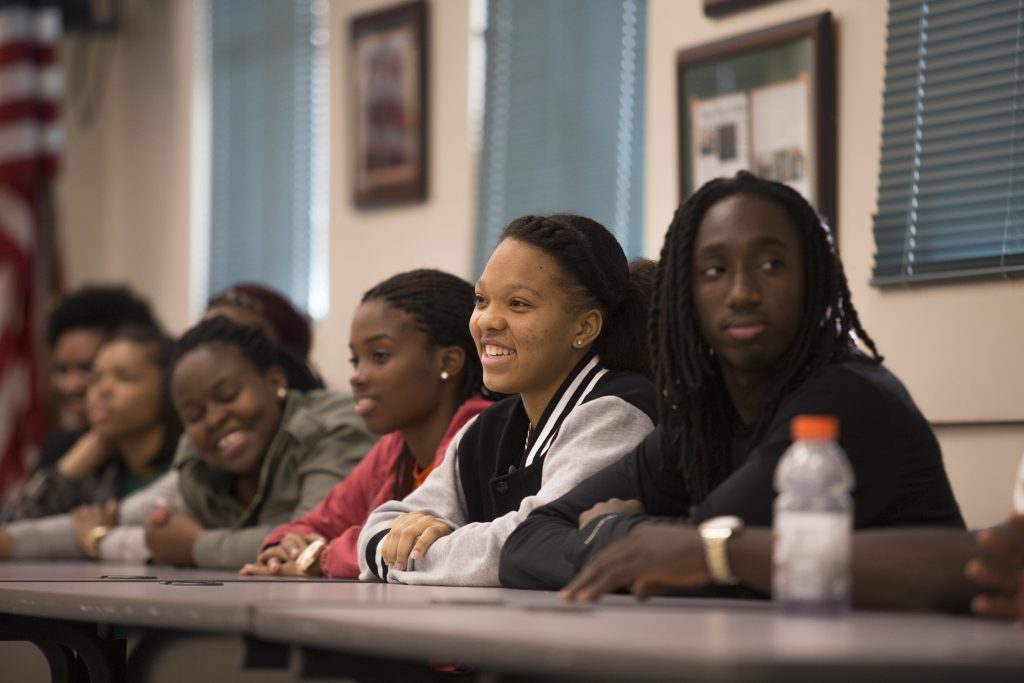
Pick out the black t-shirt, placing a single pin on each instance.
(900, 478)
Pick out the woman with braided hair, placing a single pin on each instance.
(751, 325)
(559, 323)
(417, 381)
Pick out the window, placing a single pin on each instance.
(563, 124)
(951, 186)
(268, 146)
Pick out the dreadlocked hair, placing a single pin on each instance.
(592, 259)
(694, 410)
(440, 305)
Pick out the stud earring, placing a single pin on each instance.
(579, 342)
(282, 392)
(444, 375)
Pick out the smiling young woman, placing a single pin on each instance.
(558, 323)
(416, 380)
(752, 324)
(255, 455)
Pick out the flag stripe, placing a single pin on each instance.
(29, 81)
(30, 138)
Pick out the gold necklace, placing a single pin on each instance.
(529, 433)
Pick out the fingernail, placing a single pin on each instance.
(399, 566)
(416, 554)
(293, 552)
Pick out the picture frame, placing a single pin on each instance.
(720, 8)
(389, 71)
(762, 101)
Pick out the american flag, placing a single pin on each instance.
(30, 87)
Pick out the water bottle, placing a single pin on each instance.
(813, 521)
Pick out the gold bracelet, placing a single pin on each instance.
(310, 556)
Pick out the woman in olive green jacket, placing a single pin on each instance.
(254, 455)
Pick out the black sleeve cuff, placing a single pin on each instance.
(379, 570)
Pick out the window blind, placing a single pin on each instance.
(951, 186)
(563, 124)
(268, 109)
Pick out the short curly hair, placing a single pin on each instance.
(104, 309)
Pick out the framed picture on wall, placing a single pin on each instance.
(764, 102)
(389, 105)
(721, 8)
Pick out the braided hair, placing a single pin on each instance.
(258, 349)
(694, 409)
(591, 259)
(440, 305)
(250, 341)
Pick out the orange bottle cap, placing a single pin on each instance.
(814, 428)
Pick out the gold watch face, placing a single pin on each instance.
(721, 526)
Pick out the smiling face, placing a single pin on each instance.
(126, 390)
(396, 378)
(229, 408)
(748, 284)
(525, 324)
(71, 364)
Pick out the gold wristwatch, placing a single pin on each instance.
(714, 534)
(93, 540)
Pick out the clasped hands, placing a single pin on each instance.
(999, 569)
(171, 535)
(280, 559)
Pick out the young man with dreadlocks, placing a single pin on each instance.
(751, 325)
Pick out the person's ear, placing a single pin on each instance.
(450, 360)
(588, 328)
(278, 380)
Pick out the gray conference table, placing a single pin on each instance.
(684, 640)
(330, 625)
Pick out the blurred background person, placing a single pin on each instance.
(284, 323)
(75, 330)
(133, 434)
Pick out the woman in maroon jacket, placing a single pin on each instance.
(417, 380)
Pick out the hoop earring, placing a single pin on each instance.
(444, 375)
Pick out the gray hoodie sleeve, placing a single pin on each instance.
(439, 496)
(45, 538)
(595, 435)
(53, 538)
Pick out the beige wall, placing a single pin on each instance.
(126, 193)
(368, 246)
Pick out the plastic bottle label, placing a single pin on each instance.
(811, 558)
